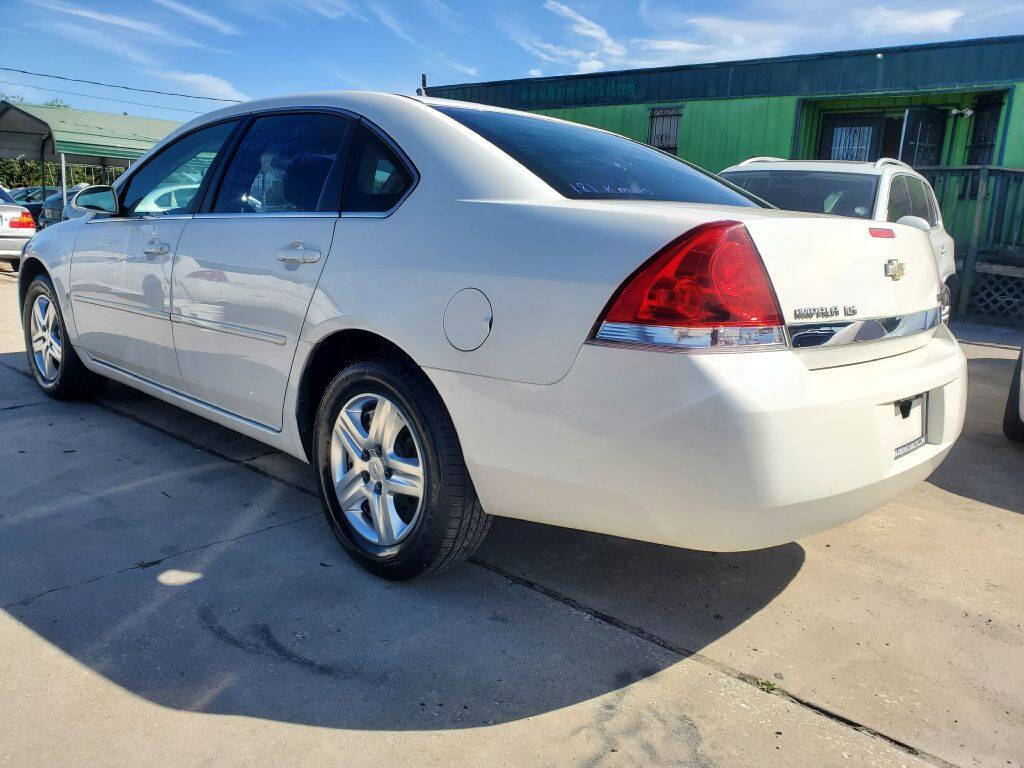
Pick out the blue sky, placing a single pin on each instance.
(253, 48)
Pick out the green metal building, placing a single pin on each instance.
(954, 110)
(799, 106)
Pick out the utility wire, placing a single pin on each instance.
(114, 85)
(104, 98)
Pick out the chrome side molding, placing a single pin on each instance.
(231, 328)
(803, 335)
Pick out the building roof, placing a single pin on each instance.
(82, 135)
(961, 64)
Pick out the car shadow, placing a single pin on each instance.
(196, 583)
(983, 464)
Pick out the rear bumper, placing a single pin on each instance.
(705, 451)
(10, 247)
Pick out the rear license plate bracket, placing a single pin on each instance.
(910, 428)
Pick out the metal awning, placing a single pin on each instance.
(48, 134)
(81, 136)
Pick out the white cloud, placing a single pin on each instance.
(387, 18)
(257, 11)
(199, 17)
(100, 41)
(556, 54)
(658, 53)
(536, 72)
(124, 22)
(898, 21)
(16, 92)
(121, 22)
(727, 38)
(589, 65)
(454, 66)
(445, 14)
(778, 27)
(657, 17)
(329, 9)
(583, 26)
(349, 80)
(202, 84)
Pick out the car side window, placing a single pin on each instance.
(181, 165)
(919, 199)
(377, 178)
(287, 163)
(899, 199)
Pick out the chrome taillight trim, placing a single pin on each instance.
(671, 338)
(805, 335)
(757, 338)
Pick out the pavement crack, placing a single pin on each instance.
(606, 618)
(22, 405)
(187, 441)
(688, 653)
(206, 449)
(32, 598)
(144, 564)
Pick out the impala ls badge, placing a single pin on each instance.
(895, 269)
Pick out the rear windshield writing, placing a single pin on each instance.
(584, 164)
(583, 188)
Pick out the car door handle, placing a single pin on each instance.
(299, 253)
(156, 248)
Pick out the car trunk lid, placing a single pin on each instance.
(849, 290)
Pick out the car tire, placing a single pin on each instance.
(422, 535)
(68, 378)
(1013, 427)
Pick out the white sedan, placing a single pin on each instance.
(454, 311)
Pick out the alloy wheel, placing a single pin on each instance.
(377, 469)
(47, 345)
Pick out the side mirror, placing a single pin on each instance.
(99, 198)
(916, 222)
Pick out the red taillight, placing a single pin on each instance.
(24, 221)
(711, 277)
(881, 232)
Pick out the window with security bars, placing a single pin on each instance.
(664, 129)
(981, 148)
(849, 136)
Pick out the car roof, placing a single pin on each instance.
(356, 101)
(867, 168)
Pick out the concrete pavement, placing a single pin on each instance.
(171, 594)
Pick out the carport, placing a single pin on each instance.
(76, 135)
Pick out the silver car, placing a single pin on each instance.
(56, 209)
(16, 227)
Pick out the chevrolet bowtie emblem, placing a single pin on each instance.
(895, 269)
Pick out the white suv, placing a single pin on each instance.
(886, 190)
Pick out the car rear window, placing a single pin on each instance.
(586, 164)
(840, 194)
(7, 199)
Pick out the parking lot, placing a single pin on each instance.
(171, 594)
